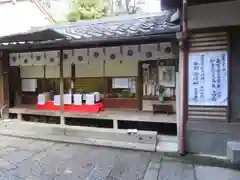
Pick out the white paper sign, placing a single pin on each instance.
(120, 83)
(208, 78)
(29, 85)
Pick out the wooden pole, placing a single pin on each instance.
(44, 88)
(139, 86)
(62, 119)
(104, 80)
(183, 69)
(73, 78)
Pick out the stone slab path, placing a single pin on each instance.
(41, 160)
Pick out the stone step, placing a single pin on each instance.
(233, 151)
(167, 146)
(130, 139)
(167, 143)
(167, 138)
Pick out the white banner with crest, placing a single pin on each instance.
(208, 78)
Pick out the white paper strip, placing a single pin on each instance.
(131, 53)
(80, 56)
(14, 59)
(113, 54)
(148, 52)
(26, 59)
(39, 59)
(52, 58)
(29, 85)
(208, 78)
(120, 83)
(165, 51)
(67, 56)
(96, 54)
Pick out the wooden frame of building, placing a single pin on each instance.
(154, 32)
(209, 26)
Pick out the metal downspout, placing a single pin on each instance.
(183, 79)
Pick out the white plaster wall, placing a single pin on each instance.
(38, 71)
(214, 15)
(93, 69)
(125, 68)
(54, 71)
(112, 68)
(20, 17)
(32, 71)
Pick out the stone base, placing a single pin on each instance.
(233, 151)
(137, 140)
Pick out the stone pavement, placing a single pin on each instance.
(43, 160)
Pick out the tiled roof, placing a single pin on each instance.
(112, 28)
(118, 27)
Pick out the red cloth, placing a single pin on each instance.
(49, 105)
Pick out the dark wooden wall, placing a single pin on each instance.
(210, 41)
(235, 76)
(4, 85)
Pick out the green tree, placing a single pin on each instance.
(120, 7)
(87, 9)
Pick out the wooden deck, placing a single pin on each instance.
(108, 114)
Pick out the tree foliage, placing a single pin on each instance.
(125, 6)
(87, 9)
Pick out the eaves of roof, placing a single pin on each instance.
(122, 29)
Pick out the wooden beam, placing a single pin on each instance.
(88, 43)
(62, 118)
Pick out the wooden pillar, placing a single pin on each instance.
(44, 88)
(104, 80)
(4, 79)
(4, 84)
(15, 87)
(62, 118)
(73, 79)
(139, 86)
